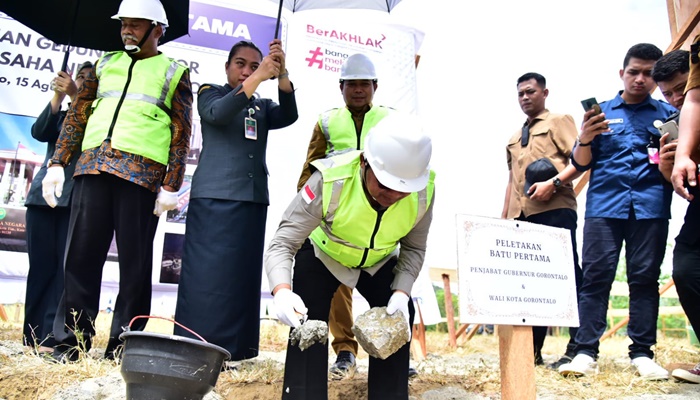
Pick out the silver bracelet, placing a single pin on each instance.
(284, 75)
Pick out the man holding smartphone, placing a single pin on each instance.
(539, 183)
(684, 76)
(671, 75)
(628, 202)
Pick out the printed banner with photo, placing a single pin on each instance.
(13, 229)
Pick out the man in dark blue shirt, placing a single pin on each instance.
(626, 202)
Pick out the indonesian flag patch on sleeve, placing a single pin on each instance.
(307, 194)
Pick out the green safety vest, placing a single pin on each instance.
(338, 120)
(143, 124)
(351, 231)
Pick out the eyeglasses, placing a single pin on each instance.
(369, 168)
(525, 138)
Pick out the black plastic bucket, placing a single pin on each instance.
(156, 366)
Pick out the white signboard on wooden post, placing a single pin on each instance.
(515, 273)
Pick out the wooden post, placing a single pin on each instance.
(3, 313)
(419, 334)
(18, 312)
(517, 363)
(449, 310)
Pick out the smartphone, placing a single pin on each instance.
(670, 127)
(591, 103)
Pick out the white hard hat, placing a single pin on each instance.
(151, 10)
(357, 66)
(399, 153)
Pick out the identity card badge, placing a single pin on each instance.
(654, 155)
(251, 126)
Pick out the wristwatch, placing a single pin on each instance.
(556, 181)
(54, 162)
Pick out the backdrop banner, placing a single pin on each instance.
(316, 42)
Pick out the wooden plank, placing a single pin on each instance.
(665, 310)
(449, 310)
(517, 363)
(419, 334)
(581, 182)
(684, 32)
(672, 23)
(461, 330)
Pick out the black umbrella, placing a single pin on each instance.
(88, 23)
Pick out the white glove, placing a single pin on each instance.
(52, 185)
(289, 306)
(165, 201)
(399, 302)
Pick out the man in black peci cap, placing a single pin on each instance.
(539, 184)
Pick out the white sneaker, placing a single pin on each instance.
(581, 365)
(649, 370)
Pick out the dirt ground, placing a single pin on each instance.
(473, 366)
(355, 388)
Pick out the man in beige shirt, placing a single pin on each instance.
(539, 184)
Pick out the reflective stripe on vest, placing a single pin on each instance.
(142, 126)
(347, 231)
(338, 120)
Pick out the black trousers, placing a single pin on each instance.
(306, 372)
(560, 218)
(645, 245)
(686, 275)
(103, 205)
(47, 229)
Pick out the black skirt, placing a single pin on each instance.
(219, 288)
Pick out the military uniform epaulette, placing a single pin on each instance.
(205, 87)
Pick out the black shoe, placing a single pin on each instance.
(412, 372)
(538, 359)
(229, 366)
(563, 360)
(114, 354)
(344, 366)
(65, 357)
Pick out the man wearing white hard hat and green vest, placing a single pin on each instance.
(128, 133)
(339, 130)
(361, 220)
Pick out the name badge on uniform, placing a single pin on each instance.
(654, 156)
(251, 126)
